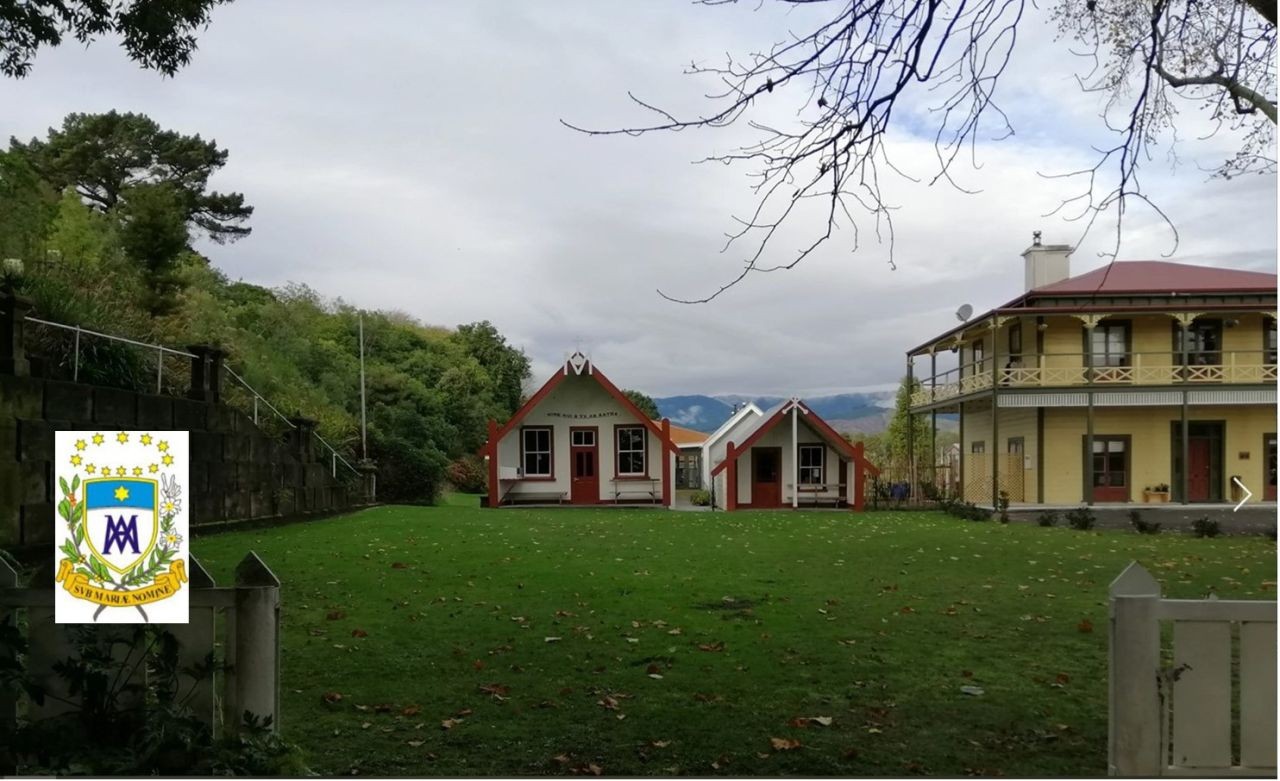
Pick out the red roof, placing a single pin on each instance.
(1160, 277)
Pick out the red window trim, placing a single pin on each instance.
(551, 444)
(617, 457)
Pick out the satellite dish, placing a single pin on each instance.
(964, 313)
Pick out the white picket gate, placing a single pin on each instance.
(1209, 708)
(250, 644)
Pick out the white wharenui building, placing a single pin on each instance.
(788, 456)
(716, 446)
(579, 440)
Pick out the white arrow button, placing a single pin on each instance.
(1247, 493)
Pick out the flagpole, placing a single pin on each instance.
(364, 423)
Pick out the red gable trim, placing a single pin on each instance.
(550, 385)
(817, 423)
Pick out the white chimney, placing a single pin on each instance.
(1046, 263)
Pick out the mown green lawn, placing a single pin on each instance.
(468, 641)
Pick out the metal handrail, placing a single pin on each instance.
(257, 397)
(335, 457)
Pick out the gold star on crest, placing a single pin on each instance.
(121, 494)
(98, 439)
(75, 460)
(163, 447)
(80, 444)
(137, 471)
(120, 471)
(90, 468)
(145, 439)
(168, 460)
(122, 437)
(153, 468)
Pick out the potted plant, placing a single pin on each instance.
(1158, 494)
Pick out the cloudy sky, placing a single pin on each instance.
(409, 155)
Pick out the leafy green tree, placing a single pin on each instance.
(80, 235)
(157, 34)
(106, 157)
(507, 366)
(906, 433)
(27, 203)
(646, 403)
(154, 234)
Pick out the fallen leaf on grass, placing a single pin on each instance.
(659, 743)
(551, 639)
(711, 647)
(399, 565)
(1063, 678)
(410, 710)
(608, 703)
(331, 697)
(415, 743)
(449, 724)
(784, 744)
(1085, 625)
(478, 665)
(335, 615)
(359, 633)
(384, 707)
(497, 690)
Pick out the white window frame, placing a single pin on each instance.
(525, 452)
(820, 467)
(642, 451)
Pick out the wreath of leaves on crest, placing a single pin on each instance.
(88, 564)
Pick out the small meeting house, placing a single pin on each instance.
(580, 441)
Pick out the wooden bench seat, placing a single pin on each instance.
(536, 497)
(649, 490)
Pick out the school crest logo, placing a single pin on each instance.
(121, 527)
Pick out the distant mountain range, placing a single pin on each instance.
(853, 413)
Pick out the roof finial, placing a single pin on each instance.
(1035, 238)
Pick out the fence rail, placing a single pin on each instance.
(254, 405)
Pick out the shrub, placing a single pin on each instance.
(1048, 518)
(1203, 527)
(1002, 504)
(466, 474)
(1082, 519)
(1143, 527)
(701, 498)
(108, 733)
(967, 511)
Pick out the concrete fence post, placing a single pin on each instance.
(256, 688)
(13, 320)
(195, 642)
(368, 480)
(206, 372)
(302, 439)
(8, 700)
(1133, 675)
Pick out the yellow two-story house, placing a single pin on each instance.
(1141, 382)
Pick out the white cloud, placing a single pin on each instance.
(412, 157)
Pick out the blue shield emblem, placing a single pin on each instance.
(120, 520)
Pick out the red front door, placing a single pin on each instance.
(584, 460)
(1109, 464)
(1199, 453)
(766, 474)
